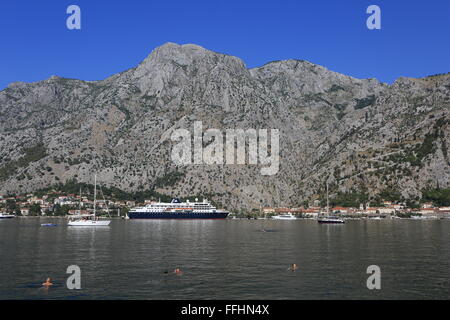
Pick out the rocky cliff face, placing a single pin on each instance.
(359, 135)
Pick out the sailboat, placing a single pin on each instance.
(328, 218)
(90, 220)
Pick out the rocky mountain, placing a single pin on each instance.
(360, 135)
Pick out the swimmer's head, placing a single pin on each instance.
(48, 282)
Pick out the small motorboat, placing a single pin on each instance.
(418, 217)
(288, 216)
(6, 216)
(330, 219)
(48, 224)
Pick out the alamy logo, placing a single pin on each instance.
(374, 280)
(235, 144)
(74, 281)
(374, 21)
(74, 20)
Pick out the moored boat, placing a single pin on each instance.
(287, 216)
(90, 220)
(48, 224)
(327, 218)
(177, 209)
(330, 219)
(4, 215)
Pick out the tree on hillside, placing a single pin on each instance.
(35, 209)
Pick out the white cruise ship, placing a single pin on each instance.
(178, 210)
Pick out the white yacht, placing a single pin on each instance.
(4, 215)
(287, 216)
(327, 218)
(89, 220)
(330, 219)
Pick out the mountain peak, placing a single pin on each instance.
(171, 50)
(186, 53)
(170, 57)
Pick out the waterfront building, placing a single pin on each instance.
(78, 212)
(428, 211)
(387, 210)
(283, 210)
(340, 210)
(268, 210)
(312, 212)
(35, 199)
(65, 201)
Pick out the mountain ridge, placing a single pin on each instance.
(120, 127)
(200, 48)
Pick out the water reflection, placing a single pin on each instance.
(226, 259)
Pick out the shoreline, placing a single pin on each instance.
(248, 219)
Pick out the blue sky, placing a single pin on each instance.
(116, 35)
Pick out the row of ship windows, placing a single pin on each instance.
(204, 206)
(165, 213)
(175, 211)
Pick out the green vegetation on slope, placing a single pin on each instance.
(32, 154)
(439, 197)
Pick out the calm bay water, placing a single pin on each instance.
(230, 259)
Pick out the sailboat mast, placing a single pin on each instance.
(80, 201)
(328, 206)
(95, 192)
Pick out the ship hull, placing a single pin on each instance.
(89, 223)
(177, 215)
(331, 221)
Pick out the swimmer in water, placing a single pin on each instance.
(178, 271)
(48, 283)
(293, 267)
